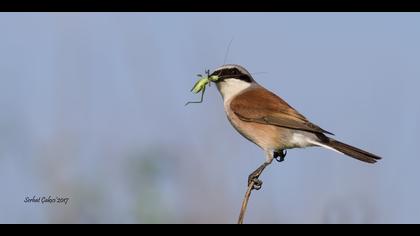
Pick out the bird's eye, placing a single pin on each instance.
(217, 72)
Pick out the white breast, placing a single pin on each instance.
(229, 88)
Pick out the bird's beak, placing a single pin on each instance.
(215, 78)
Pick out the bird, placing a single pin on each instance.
(271, 123)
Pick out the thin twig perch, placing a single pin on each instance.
(245, 203)
(253, 183)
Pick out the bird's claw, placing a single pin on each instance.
(253, 178)
(255, 182)
(279, 156)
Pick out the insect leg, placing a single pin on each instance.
(201, 100)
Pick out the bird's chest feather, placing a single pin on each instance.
(265, 136)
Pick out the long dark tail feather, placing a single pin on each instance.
(351, 151)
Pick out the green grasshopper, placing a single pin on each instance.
(200, 85)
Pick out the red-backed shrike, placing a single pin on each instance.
(268, 121)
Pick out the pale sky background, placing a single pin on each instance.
(92, 108)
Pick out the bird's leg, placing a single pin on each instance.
(279, 156)
(253, 177)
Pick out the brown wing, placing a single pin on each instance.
(267, 108)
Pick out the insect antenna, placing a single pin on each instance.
(227, 51)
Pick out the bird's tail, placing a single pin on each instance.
(348, 150)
